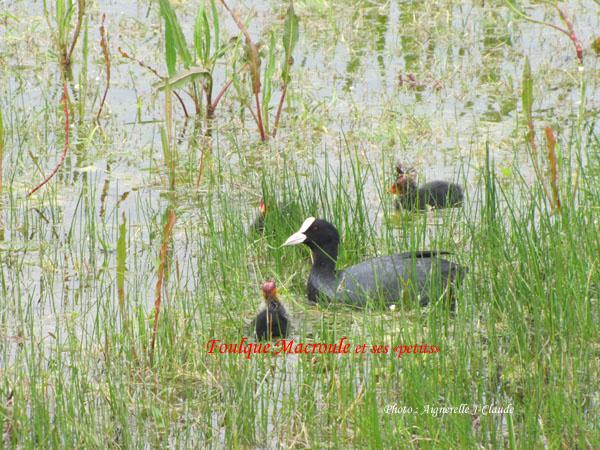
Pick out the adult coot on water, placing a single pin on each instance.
(391, 278)
(437, 194)
(271, 322)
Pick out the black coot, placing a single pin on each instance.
(392, 277)
(437, 194)
(272, 322)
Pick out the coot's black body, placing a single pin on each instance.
(392, 278)
(272, 322)
(437, 194)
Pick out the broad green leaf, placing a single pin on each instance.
(182, 79)
(178, 37)
(290, 38)
(269, 69)
(170, 53)
(527, 95)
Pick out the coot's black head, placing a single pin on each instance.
(316, 233)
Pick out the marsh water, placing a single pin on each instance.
(427, 84)
(435, 85)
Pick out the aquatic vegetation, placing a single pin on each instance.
(129, 285)
(60, 28)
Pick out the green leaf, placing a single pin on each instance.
(251, 53)
(121, 256)
(165, 146)
(206, 39)
(290, 30)
(290, 38)
(516, 8)
(253, 57)
(182, 79)
(215, 25)
(170, 53)
(199, 36)
(268, 77)
(527, 95)
(172, 23)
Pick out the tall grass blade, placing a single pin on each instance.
(121, 257)
(161, 269)
(553, 163)
(527, 94)
(165, 138)
(1, 151)
(215, 17)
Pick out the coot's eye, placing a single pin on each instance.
(315, 228)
